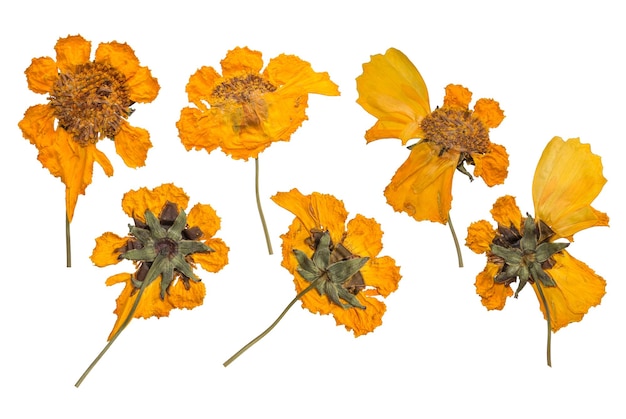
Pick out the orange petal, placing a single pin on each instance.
(294, 239)
(505, 212)
(578, 288)
(213, 261)
(105, 253)
(72, 163)
(567, 180)
(119, 56)
(41, 74)
(457, 96)
(489, 112)
(204, 217)
(197, 129)
(296, 76)
(422, 186)
(38, 126)
(285, 113)
(201, 85)
(149, 305)
(241, 61)
(179, 297)
(493, 295)
(72, 51)
(392, 90)
(357, 320)
(324, 212)
(479, 236)
(364, 237)
(135, 203)
(104, 162)
(493, 165)
(118, 278)
(132, 144)
(383, 274)
(143, 88)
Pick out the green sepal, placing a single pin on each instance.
(146, 254)
(341, 271)
(141, 233)
(321, 257)
(350, 298)
(155, 269)
(523, 275)
(175, 231)
(546, 250)
(509, 273)
(167, 276)
(308, 276)
(528, 241)
(540, 275)
(187, 247)
(183, 267)
(157, 231)
(305, 263)
(510, 256)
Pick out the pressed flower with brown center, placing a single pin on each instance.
(247, 108)
(246, 92)
(88, 100)
(91, 102)
(450, 137)
(456, 129)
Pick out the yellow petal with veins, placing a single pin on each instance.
(567, 180)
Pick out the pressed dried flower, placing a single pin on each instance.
(567, 180)
(340, 261)
(165, 244)
(392, 90)
(88, 100)
(247, 108)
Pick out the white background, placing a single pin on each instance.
(555, 67)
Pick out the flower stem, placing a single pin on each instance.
(456, 242)
(258, 205)
(545, 304)
(119, 331)
(68, 245)
(269, 329)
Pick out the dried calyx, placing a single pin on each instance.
(162, 247)
(333, 269)
(525, 256)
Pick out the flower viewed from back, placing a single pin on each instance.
(356, 303)
(88, 100)
(165, 244)
(567, 180)
(336, 267)
(392, 90)
(247, 108)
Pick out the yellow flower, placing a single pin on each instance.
(244, 110)
(165, 244)
(88, 101)
(359, 307)
(392, 90)
(567, 180)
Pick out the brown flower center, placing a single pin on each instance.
(91, 102)
(456, 129)
(245, 92)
